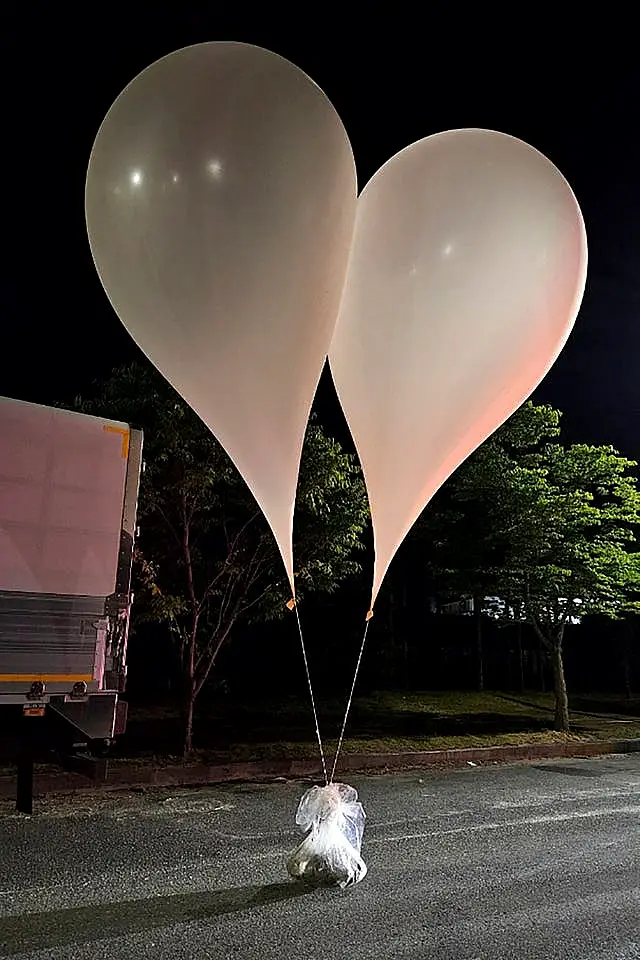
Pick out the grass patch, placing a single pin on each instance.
(384, 722)
(305, 751)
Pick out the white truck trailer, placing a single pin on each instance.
(68, 500)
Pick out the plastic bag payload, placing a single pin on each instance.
(333, 819)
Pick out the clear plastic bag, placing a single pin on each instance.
(330, 853)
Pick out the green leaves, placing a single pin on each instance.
(548, 527)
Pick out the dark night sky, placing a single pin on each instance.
(393, 81)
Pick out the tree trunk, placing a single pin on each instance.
(196, 675)
(561, 721)
(477, 609)
(190, 665)
(189, 704)
(190, 692)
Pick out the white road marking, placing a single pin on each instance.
(510, 824)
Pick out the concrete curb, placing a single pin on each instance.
(134, 777)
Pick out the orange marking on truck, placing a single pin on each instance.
(108, 428)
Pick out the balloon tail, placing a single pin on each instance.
(292, 605)
(350, 700)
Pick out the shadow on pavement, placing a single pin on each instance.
(77, 925)
(581, 771)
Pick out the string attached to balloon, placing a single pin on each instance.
(331, 816)
(351, 693)
(292, 605)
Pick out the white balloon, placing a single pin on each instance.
(220, 203)
(466, 275)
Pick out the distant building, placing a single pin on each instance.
(493, 607)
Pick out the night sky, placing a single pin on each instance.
(392, 82)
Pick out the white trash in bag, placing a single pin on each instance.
(330, 853)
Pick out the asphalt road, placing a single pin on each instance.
(502, 862)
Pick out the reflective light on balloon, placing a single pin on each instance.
(216, 169)
(136, 178)
(175, 178)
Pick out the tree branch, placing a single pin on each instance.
(231, 550)
(231, 606)
(168, 523)
(272, 586)
(534, 620)
(213, 654)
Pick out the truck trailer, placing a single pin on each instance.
(68, 500)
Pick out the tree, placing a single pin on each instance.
(463, 529)
(557, 535)
(206, 559)
(572, 555)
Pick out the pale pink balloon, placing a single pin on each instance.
(466, 275)
(220, 203)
